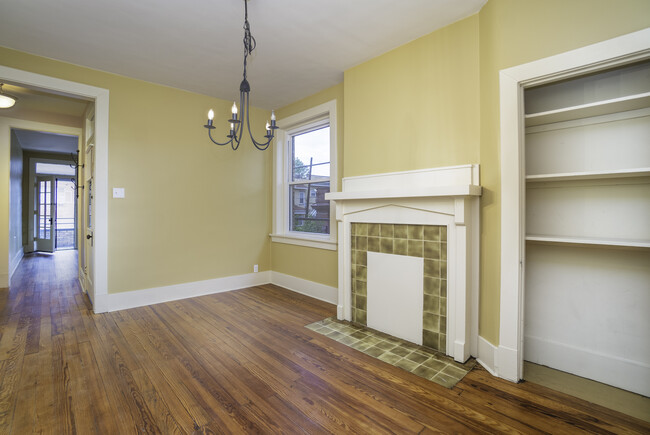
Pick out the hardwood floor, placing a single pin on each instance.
(236, 362)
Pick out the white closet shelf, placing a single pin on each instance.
(591, 175)
(623, 104)
(622, 243)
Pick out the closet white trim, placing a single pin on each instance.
(603, 55)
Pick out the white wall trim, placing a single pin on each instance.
(624, 49)
(612, 370)
(487, 355)
(313, 289)
(101, 98)
(157, 295)
(313, 242)
(80, 274)
(15, 261)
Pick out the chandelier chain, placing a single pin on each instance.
(249, 40)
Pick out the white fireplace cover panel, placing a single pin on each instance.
(395, 295)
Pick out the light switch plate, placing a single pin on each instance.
(118, 192)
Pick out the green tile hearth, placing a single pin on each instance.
(428, 242)
(419, 360)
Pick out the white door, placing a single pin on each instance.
(89, 207)
(44, 213)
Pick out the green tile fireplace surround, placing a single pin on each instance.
(423, 241)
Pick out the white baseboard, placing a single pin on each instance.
(611, 370)
(507, 363)
(500, 361)
(156, 295)
(80, 273)
(14, 262)
(313, 289)
(487, 353)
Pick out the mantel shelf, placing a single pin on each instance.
(590, 175)
(622, 104)
(588, 241)
(437, 191)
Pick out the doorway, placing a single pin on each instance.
(54, 204)
(66, 223)
(99, 141)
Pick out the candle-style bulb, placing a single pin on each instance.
(211, 115)
(232, 126)
(272, 115)
(267, 125)
(234, 108)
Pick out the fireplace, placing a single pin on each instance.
(408, 255)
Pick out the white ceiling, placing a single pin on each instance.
(302, 46)
(46, 142)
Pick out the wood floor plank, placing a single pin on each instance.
(234, 362)
(45, 417)
(97, 394)
(25, 411)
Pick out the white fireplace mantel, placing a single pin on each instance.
(439, 196)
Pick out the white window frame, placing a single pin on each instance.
(282, 163)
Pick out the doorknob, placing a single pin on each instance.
(89, 236)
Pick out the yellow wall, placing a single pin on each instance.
(192, 211)
(312, 264)
(416, 106)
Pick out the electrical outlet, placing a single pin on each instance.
(256, 268)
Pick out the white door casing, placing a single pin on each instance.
(101, 98)
(603, 55)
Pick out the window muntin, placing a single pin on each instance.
(309, 211)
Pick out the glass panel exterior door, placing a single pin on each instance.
(45, 210)
(65, 228)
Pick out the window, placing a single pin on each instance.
(54, 168)
(305, 170)
(310, 177)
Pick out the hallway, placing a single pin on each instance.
(234, 362)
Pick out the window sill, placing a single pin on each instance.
(311, 242)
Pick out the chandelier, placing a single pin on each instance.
(236, 122)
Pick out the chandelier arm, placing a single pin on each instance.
(259, 145)
(214, 141)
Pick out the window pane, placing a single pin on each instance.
(54, 169)
(311, 155)
(310, 212)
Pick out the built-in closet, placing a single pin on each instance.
(587, 261)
